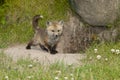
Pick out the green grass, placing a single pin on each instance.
(21, 70)
(108, 67)
(16, 17)
(15, 27)
(93, 68)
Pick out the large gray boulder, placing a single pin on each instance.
(97, 12)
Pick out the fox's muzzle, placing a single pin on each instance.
(56, 35)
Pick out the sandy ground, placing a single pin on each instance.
(36, 54)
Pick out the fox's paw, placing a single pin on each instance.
(28, 47)
(53, 52)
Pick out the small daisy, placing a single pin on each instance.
(29, 77)
(71, 75)
(41, 16)
(56, 78)
(106, 59)
(98, 57)
(113, 50)
(72, 78)
(6, 77)
(95, 50)
(30, 66)
(117, 51)
(66, 78)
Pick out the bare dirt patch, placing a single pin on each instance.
(36, 54)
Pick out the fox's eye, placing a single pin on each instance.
(53, 31)
(58, 30)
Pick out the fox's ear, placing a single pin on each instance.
(61, 22)
(48, 23)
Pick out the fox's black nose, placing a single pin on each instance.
(56, 35)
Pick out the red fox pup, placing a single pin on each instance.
(48, 38)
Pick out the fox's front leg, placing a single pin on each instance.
(53, 49)
(43, 48)
(29, 44)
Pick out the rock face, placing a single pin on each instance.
(97, 12)
(78, 37)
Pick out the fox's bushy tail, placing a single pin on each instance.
(35, 21)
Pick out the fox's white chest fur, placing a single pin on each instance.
(53, 40)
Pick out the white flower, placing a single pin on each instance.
(98, 57)
(71, 75)
(6, 77)
(66, 78)
(95, 50)
(41, 16)
(72, 78)
(106, 59)
(117, 51)
(30, 66)
(56, 78)
(113, 50)
(29, 77)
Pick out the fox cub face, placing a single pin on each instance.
(54, 29)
